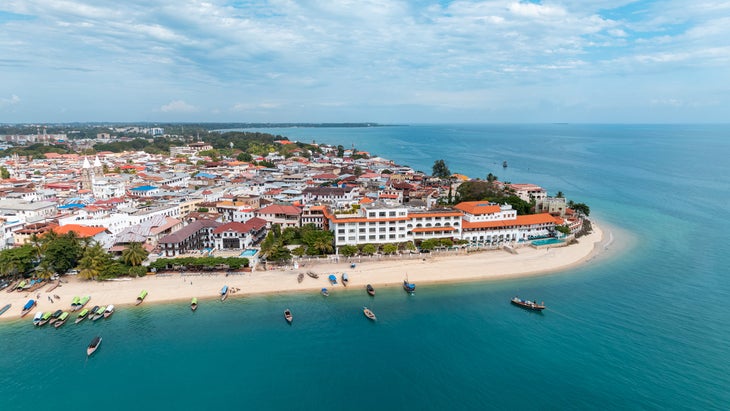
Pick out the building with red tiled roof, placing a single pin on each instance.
(239, 236)
(284, 215)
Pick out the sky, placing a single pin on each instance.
(385, 61)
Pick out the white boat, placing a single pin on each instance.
(109, 311)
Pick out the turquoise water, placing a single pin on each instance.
(547, 241)
(248, 253)
(646, 329)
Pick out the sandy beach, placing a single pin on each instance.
(475, 266)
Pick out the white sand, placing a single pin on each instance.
(485, 265)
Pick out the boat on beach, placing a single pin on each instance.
(54, 316)
(141, 297)
(194, 304)
(62, 319)
(300, 277)
(224, 293)
(325, 292)
(333, 279)
(109, 311)
(75, 303)
(82, 315)
(369, 314)
(345, 279)
(7, 307)
(97, 314)
(82, 302)
(312, 274)
(371, 291)
(27, 307)
(287, 316)
(93, 346)
(527, 304)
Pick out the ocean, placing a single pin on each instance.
(646, 325)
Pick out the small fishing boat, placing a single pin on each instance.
(369, 288)
(409, 287)
(109, 311)
(287, 316)
(325, 292)
(93, 346)
(82, 315)
(345, 279)
(7, 307)
(98, 313)
(369, 314)
(333, 279)
(27, 307)
(45, 318)
(141, 297)
(312, 274)
(527, 304)
(352, 265)
(62, 319)
(504, 164)
(300, 277)
(38, 317)
(54, 316)
(93, 311)
(75, 303)
(194, 304)
(224, 293)
(83, 301)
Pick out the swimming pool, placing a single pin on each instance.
(547, 241)
(249, 252)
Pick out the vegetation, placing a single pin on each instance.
(134, 254)
(199, 263)
(440, 169)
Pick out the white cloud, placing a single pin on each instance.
(178, 106)
(13, 100)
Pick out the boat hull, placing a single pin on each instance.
(528, 305)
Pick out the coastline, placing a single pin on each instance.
(477, 266)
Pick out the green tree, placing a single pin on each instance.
(369, 249)
(491, 178)
(390, 248)
(440, 169)
(63, 252)
(134, 254)
(430, 244)
(4, 173)
(563, 229)
(94, 261)
(45, 270)
(348, 250)
(340, 151)
(582, 209)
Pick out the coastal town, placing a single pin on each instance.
(197, 201)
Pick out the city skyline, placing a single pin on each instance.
(366, 61)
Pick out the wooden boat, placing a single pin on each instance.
(369, 288)
(83, 301)
(45, 318)
(75, 303)
(12, 286)
(325, 292)
(287, 316)
(54, 316)
(345, 279)
(504, 164)
(93, 346)
(409, 287)
(82, 315)
(369, 314)
(194, 304)
(109, 311)
(38, 317)
(224, 293)
(333, 279)
(300, 277)
(312, 274)
(99, 313)
(7, 307)
(27, 307)
(93, 311)
(141, 297)
(527, 304)
(62, 319)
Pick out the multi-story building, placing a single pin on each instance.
(239, 236)
(284, 215)
(489, 223)
(194, 237)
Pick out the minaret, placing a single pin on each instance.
(86, 175)
(98, 168)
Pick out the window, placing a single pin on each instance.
(391, 214)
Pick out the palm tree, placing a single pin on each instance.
(45, 270)
(95, 259)
(134, 254)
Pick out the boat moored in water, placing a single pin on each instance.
(368, 313)
(287, 316)
(93, 346)
(527, 304)
(325, 292)
(38, 317)
(44, 318)
(194, 304)
(61, 319)
(82, 315)
(371, 291)
(98, 313)
(224, 293)
(54, 316)
(109, 311)
(410, 288)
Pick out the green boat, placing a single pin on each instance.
(61, 320)
(194, 304)
(45, 318)
(98, 313)
(83, 301)
(82, 315)
(141, 297)
(75, 303)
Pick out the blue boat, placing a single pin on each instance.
(224, 293)
(325, 292)
(345, 279)
(333, 279)
(27, 307)
(409, 287)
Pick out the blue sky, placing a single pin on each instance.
(419, 61)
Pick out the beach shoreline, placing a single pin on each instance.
(489, 265)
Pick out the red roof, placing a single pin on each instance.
(252, 224)
(81, 230)
(477, 207)
(521, 220)
(280, 209)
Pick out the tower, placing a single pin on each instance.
(98, 168)
(87, 175)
